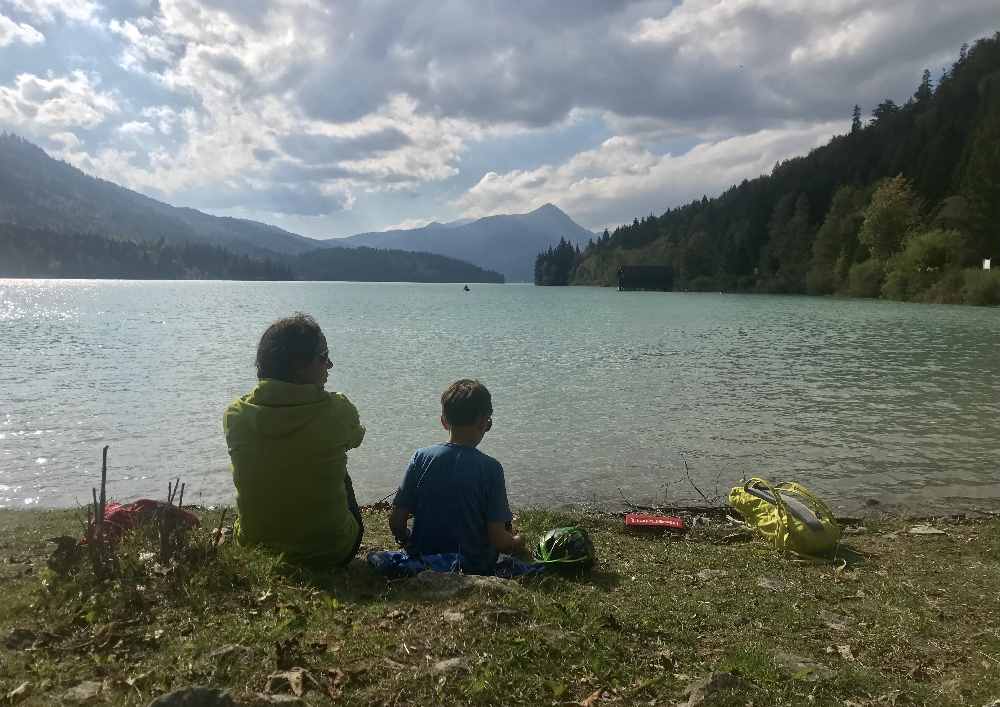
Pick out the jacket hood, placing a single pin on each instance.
(277, 409)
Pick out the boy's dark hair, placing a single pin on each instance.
(286, 346)
(465, 401)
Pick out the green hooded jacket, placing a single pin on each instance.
(288, 444)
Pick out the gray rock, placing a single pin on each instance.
(19, 693)
(802, 668)
(447, 666)
(84, 693)
(702, 690)
(195, 697)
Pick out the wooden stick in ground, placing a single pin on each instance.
(94, 527)
(687, 473)
(99, 510)
(180, 500)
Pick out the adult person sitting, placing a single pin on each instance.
(288, 442)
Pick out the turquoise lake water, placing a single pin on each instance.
(594, 390)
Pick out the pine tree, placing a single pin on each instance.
(924, 90)
(856, 119)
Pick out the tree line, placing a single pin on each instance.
(39, 252)
(904, 206)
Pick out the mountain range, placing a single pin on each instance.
(40, 193)
(506, 243)
(37, 191)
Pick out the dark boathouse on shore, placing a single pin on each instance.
(645, 277)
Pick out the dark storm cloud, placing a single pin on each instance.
(324, 148)
(291, 199)
(732, 65)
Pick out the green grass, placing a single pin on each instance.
(910, 620)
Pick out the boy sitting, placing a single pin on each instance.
(455, 493)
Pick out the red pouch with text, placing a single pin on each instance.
(649, 521)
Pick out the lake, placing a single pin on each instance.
(594, 390)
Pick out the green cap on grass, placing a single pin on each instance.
(568, 547)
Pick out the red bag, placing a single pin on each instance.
(648, 521)
(119, 518)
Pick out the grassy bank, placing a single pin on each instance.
(910, 619)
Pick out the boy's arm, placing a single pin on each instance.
(503, 540)
(404, 503)
(397, 524)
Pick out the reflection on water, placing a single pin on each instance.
(594, 390)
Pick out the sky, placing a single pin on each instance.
(333, 118)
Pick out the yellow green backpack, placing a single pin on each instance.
(787, 516)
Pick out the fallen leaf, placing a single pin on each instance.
(446, 666)
(453, 616)
(84, 693)
(771, 583)
(590, 699)
(925, 530)
(293, 681)
(708, 575)
(19, 693)
(135, 680)
(845, 653)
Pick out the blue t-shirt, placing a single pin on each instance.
(453, 492)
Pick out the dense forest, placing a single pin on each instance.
(905, 206)
(378, 265)
(34, 252)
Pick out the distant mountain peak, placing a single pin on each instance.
(507, 243)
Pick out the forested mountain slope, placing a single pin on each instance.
(37, 191)
(904, 206)
(56, 221)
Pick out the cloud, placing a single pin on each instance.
(55, 103)
(136, 128)
(728, 64)
(306, 107)
(299, 199)
(11, 32)
(621, 179)
(49, 11)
